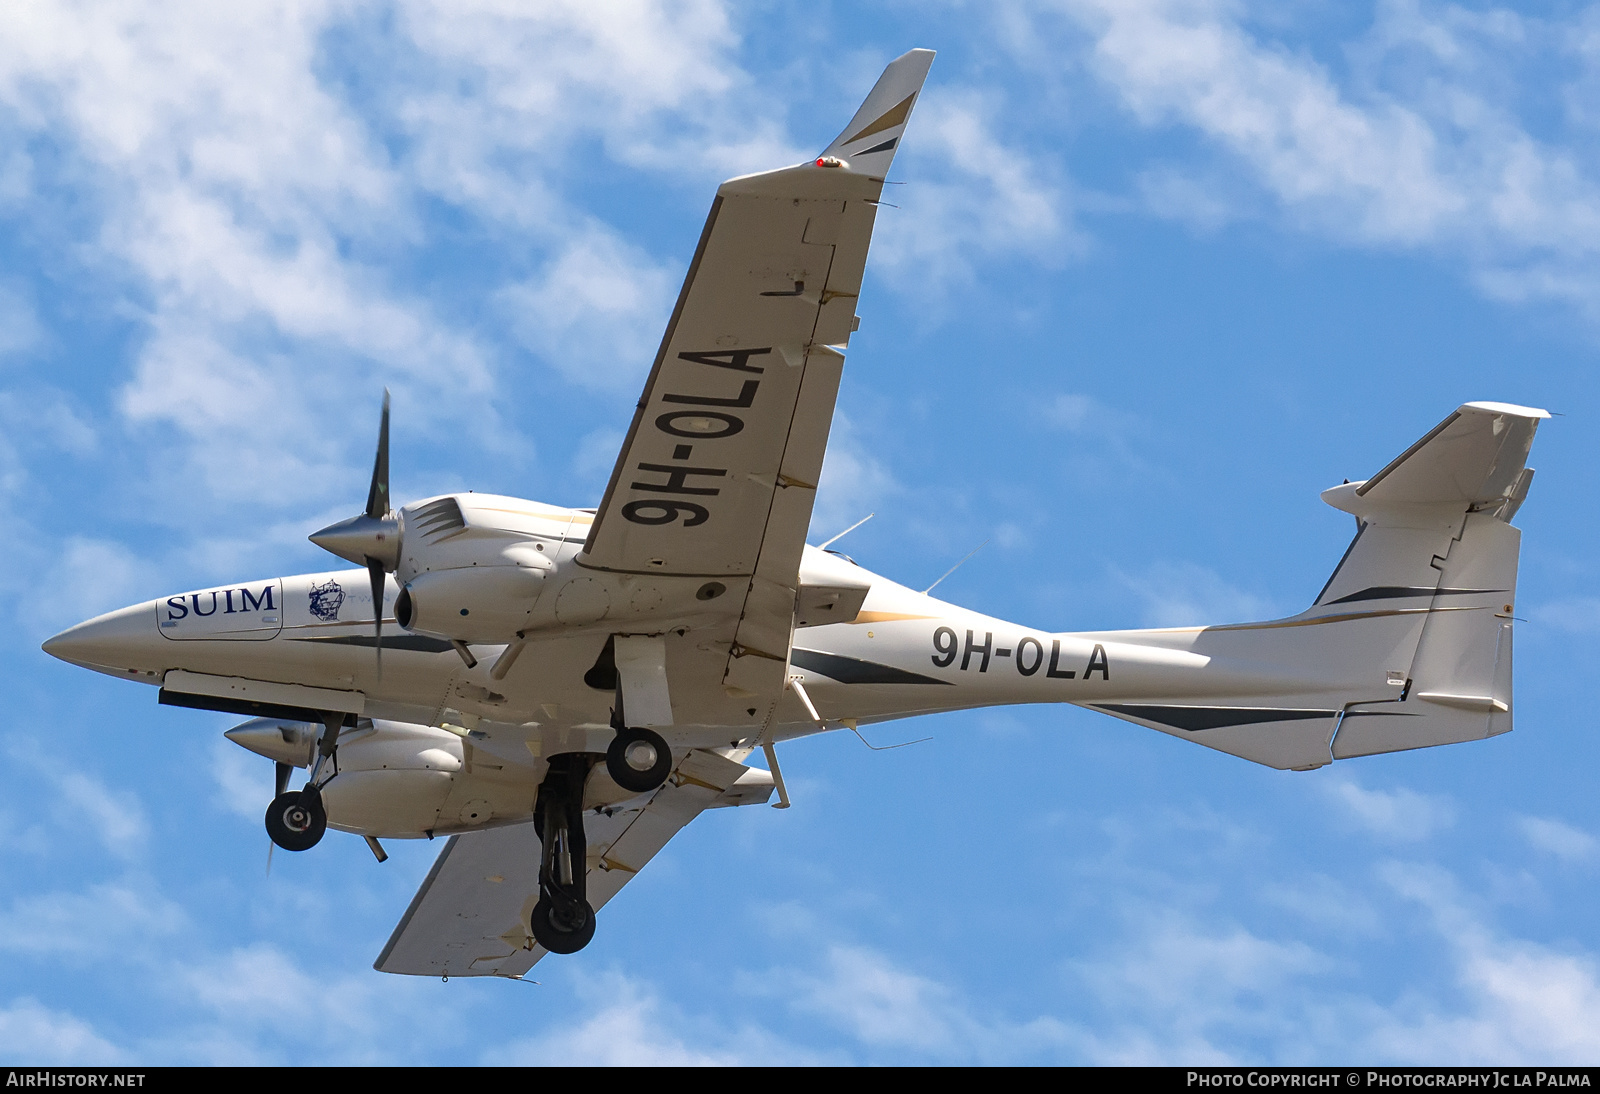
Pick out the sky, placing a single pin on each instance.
(1159, 272)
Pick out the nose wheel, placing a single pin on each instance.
(296, 819)
(562, 920)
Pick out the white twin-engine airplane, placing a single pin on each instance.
(570, 687)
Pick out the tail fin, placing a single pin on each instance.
(1409, 643)
(1434, 540)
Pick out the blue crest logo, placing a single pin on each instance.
(325, 601)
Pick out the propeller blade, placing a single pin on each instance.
(372, 536)
(375, 573)
(378, 493)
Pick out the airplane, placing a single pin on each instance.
(562, 690)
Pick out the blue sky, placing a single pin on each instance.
(1161, 272)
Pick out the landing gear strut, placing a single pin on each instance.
(562, 920)
(296, 819)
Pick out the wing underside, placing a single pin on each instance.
(470, 915)
(719, 471)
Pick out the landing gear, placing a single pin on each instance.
(638, 759)
(559, 933)
(296, 819)
(562, 920)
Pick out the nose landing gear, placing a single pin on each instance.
(562, 920)
(296, 819)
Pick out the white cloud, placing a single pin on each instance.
(1183, 594)
(628, 1025)
(492, 130)
(115, 816)
(20, 330)
(1399, 814)
(595, 313)
(1186, 992)
(969, 197)
(232, 191)
(243, 779)
(1520, 1001)
(81, 578)
(1071, 412)
(1415, 143)
(1327, 902)
(854, 482)
(883, 1006)
(1556, 838)
(33, 1034)
(83, 928)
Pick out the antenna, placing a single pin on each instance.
(850, 724)
(846, 532)
(956, 567)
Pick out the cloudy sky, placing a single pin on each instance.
(1161, 271)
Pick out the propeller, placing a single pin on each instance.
(371, 538)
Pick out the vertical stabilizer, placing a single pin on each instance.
(1409, 643)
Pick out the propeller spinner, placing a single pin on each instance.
(372, 538)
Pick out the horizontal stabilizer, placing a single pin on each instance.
(1476, 458)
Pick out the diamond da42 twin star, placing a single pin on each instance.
(562, 690)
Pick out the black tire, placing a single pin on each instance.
(630, 750)
(557, 933)
(296, 820)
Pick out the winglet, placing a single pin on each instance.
(868, 143)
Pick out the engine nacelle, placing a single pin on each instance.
(486, 603)
(472, 566)
(399, 780)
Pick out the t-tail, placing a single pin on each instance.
(1409, 643)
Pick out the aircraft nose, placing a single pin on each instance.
(115, 639)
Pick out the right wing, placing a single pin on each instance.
(719, 470)
(470, 916)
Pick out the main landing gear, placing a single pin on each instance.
(562, 920)
(296, 819)
(638, 759)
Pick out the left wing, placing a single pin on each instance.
(470, 916)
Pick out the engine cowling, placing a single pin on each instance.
(472, 566)
(481, 603)
(400, 780)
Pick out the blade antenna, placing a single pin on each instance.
(846, 532)
(953, 569)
